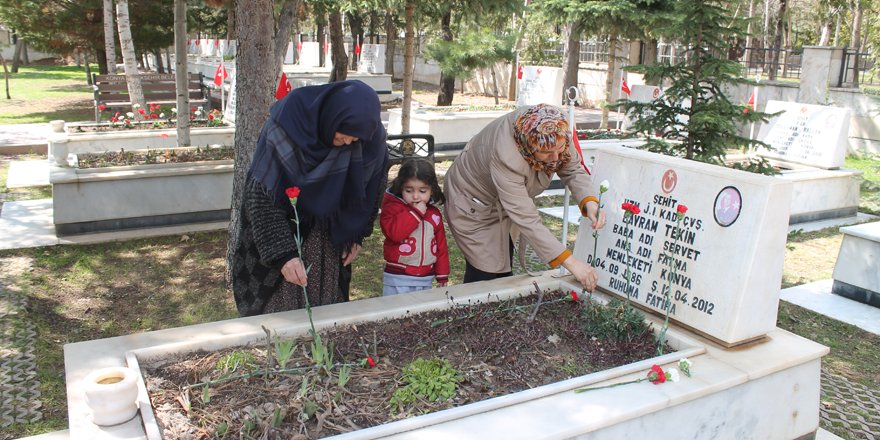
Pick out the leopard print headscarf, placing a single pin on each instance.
(542, 128)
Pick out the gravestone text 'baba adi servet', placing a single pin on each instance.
(814, 135)
(719, 268)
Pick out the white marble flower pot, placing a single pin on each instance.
(111, 394)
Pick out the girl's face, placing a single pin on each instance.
(416, 191)
(340, 139)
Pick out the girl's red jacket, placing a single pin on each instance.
(415, 243)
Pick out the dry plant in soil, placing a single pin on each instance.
(384, 371)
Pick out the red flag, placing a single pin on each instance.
(326, 45)
(357, 45)
(197, 41)
(220, 75)
(623, 87)
(577, 146)
(299, 45)
(751, 104)
(519, 72)
(283, 87)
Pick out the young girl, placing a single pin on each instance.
(415, 242)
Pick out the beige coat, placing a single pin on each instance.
(489, 194)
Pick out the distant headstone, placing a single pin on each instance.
(644, 94)
(311, 54)
(806, 134)
(539, 85)
(721, 266)
(288, 56)
(229, 113)
(856, 274)
(372, 58)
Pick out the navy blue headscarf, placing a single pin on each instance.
(338, 184)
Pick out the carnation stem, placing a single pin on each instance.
(585, 389)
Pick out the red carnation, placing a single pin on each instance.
(210, 117)
(193, 109)
(292, 192)
(101, 107)
(141, 111)
(154, 116)
(114, 119)
(371, 362)
(631, 208)
(682, 209)
(656, 375)
(127, 121)
(574, 295)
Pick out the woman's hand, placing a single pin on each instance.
(583, 272)
(351, 254)
(294, 272)
(597, 220)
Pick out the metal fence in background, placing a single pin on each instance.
(858, 68)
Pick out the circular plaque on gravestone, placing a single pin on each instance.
(728, 204)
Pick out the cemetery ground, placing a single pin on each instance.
(77, 293)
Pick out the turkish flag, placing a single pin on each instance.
(220, 75)
(326, 45)
(577, 146)
(519, 72)
(624, 87)
(283, 87)
(357, 48)
(751, 104)
(299, 45)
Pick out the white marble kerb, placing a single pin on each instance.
(724, 262)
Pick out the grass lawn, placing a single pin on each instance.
(46, 93)
(77, 293)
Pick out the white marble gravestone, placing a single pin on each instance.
(728, 253)
(539, 85)
(231, 102)
(857, 270)
(813, 135)
(311, 54)
(641, 93)
(372, 58)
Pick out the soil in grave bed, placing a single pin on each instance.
(492, 349)
(145, 157)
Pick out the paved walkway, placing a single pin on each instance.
(19, 138)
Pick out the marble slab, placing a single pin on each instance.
(813, 135)
(372, 58)
(857, 270)
(722, 267)
(817, 296)
(539, 85)
(25, 173)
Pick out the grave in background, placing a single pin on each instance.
(856, 273)
(810, 143)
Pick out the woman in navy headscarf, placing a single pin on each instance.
(329, 142)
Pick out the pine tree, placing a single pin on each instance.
(694, 118)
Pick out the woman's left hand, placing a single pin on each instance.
(597, 220)
(351, 254)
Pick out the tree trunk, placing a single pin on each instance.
(109, 40)
(16, 55)
(855, 37)
(230, 21)
(168, 58)
(609, 79)
(777, 40)
(572, 57)
(339, 71)
(282, 34)
(135, 91)
(160, 67)
(356, 24)
(322, 41)
(408, 66)
(254, 93)
(651, 58)
(181, 75)
(24, 54)
(447, 82)
(748, 52)
(5, 75)
(390, 43)
(88, 67)
(514, 66)
(101, 59)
